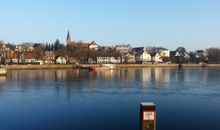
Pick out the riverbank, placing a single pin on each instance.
(155, 65)
(18, 67)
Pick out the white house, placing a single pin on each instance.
(118, 59)
(100, 60)
(41, 62)
(113, 60)
(15, 60)
(103, 59)
(93, 46)
(61, 60)
(130, 58)
(143, 56)
(164, 53)
(49, 57)
(30, 60)
(157, 58)
(182, 54)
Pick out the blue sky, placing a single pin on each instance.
(194, 24)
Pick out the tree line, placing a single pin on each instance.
(80, 53)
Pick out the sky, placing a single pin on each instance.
(194, 24)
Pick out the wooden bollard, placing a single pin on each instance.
(147, 116)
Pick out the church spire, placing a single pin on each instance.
(68, 38)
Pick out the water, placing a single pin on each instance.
(187, 99)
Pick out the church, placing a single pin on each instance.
(84, 45)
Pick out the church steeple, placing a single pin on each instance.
(68, 38)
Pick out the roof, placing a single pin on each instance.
(84, 45)
(139, 53)
(130, 54)
(147, 104)
(123, 45)
(172, 53)
(199, 51)
(138, 49)
(68, 38)
(153, 54)
(93, 43)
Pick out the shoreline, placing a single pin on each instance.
(155, 65)
(35, 67)
(86, 66)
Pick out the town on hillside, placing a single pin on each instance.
(79, 52)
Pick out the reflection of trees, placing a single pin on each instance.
(126, 77)
(78, 80)
(43, 75)
(70, 81)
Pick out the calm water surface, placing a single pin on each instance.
(187, 99)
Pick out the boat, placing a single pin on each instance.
(104, 67)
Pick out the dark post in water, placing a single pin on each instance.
(148, 116)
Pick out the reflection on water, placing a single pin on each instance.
(151, 78)
(2, 78)
(66, 99)
(127, 76)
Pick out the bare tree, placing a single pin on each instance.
(213, 55)
(38, 51)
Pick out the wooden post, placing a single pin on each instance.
(147, 116)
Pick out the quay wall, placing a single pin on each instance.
(154, 65)
(18, 67)
(68, 66)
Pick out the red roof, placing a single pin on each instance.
(84, 45)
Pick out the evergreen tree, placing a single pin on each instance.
(52, 47)
(46, 48)
(57, 45)
(49, 47)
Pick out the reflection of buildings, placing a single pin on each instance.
(159, 75)
(61, 75)
(166, 75)
(75, 81)
(2, 81)
(146, 76)
(2, 78)
(162, 75)
(189, 74)
(127, 77)
(121, 78)
(105, 74)
(128, 74)
(33, 75)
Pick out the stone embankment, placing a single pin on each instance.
(68, 66)
(18, 67)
